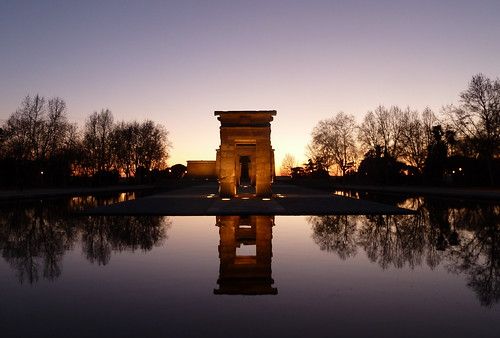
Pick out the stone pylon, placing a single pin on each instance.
(245, 152)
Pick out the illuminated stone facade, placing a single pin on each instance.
(201, 169)
(245, 155)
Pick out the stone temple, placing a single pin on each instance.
(245, 156)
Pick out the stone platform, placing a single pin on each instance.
(287, 200)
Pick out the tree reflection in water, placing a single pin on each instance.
(103, 235)
(465, 238)
(335, 234)
(478, 254)
(393, 240)
(34, 236)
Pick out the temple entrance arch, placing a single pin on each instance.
(245, 154)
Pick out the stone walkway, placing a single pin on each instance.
(287, 200)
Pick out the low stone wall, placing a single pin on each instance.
(204, 169)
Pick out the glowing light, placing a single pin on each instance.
(266, 199)
(41, 172)
(226, 199)
(245, 198)
(459, 169)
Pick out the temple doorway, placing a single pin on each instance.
(244, 170)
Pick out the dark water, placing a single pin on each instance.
(436, 273)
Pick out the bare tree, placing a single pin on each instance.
(143, 146)
(416, 136)
(153, 146)
(368, 133)
(97, 140)
(3, 138)
(429, 120)
(38, 129)
(287, 164)
(333, 140)
(477, 119)
(41, 141)
(24, 129)
(383, 127)
(124, 145)
(57, 127)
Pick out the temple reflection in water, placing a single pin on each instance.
(245, 254)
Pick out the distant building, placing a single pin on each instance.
(201, 169)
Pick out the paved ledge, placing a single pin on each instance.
(61, 192)
(467, 193)
(288, 200)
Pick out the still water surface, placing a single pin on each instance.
(436, 273)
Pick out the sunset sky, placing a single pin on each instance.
(176, 62)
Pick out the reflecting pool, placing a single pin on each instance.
(435, 273)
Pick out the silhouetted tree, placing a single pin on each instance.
(477, 119)
(124, 142)
(334, 140)
(153, 146)
(39, 146)
(38, 130)
(315, 168)
(287, 164)
(97, 141)
(178, 170)
(25, 129)
(57, 128)
(416, 136)
(297, 172)
(38, 139)
(383, 128)
(436, 158)
(139, 148)
(380, 168)
(3, 139)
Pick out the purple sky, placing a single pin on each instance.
(175, 62)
